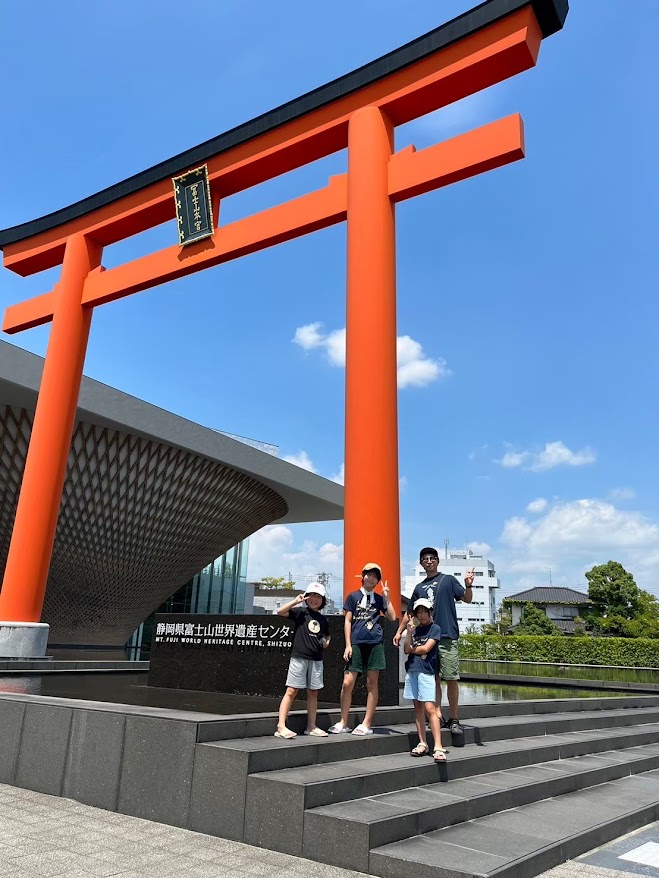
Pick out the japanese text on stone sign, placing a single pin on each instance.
(224, 634)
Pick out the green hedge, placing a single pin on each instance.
(632, 652)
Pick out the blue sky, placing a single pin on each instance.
(527, 296)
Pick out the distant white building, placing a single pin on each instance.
(456, 562)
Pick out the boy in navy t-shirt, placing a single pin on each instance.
(423, 635)
(364, 650)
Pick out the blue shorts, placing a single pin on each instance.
(419, 686)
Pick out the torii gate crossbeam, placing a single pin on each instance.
(360, 111)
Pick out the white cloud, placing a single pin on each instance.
(538, 505)
(267, 550)
(480, 548)
(516, 531)
(553, 454)
(308, 336)
(340, 477)
(302, 460)
(273, 552)
(538, 568)
(514, 458)
(335, 343)
(415, 369)
(585, 524)
(573, 536)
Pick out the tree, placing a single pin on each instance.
(276, 582)
(621, 608)
(502, 621)
(646, 624)
(613, 591)
(534, 621)
(579, 626)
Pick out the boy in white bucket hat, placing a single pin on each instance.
(305, 669)
(423, 635)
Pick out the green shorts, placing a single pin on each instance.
(449, 659)
(366, 656)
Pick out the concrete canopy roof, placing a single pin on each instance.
(149, 499)
(309, 497)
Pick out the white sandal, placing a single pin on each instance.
(339, 729)
(361, 730)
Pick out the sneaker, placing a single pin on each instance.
(443, 723)
(455, 727)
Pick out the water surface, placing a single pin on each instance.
(567, 672)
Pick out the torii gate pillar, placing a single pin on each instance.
(371, 431)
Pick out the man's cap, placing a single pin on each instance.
(315, 588)
(422, 602)
(428, 550)
(372, 566)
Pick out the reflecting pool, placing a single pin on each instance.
(567, 672)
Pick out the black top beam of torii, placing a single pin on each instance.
(550, 15)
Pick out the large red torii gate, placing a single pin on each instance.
(360, 111)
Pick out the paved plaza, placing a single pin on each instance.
(58, 838)
(47, 836)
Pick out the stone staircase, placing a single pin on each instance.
(534, 784)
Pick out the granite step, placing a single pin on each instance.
(525, 841)
(260, 725)
(267, 753)
(343, 834)
(292, 791)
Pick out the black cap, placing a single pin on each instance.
(429, 551)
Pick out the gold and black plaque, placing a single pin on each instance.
(194, 212)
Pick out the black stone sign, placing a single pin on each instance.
(194, 211)
(248, 655)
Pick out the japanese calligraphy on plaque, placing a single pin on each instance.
(220, 634)
(194, 212)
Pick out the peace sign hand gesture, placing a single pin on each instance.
(469, 577)
(385, 591)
